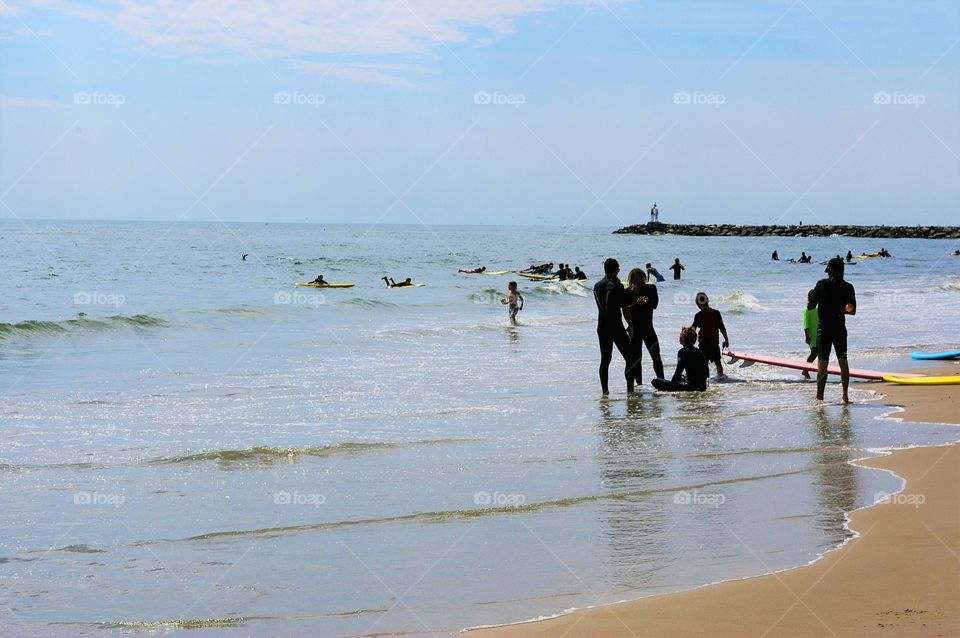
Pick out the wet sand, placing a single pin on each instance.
(900, 577)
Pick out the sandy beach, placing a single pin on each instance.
(900, 577)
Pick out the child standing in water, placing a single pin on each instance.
(515, 301)
(811, 320)
(710, 323)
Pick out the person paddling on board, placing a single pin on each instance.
(835, 298)
(473, 271)
(676, 268)
(392, 284)
(710, 322)
(810, 322)
(689, 360)
(611, 298)
(320, 280)
(514, 300)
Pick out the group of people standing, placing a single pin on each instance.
(824, 324)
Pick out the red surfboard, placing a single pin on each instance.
(800, 364)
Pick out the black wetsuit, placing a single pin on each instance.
(562, 274)
(676, 268)
(611, 297)
(832, 298)
(643, 332)
(691, 361)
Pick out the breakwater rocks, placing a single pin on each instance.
(738, 230)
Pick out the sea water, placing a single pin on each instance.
(192, 444)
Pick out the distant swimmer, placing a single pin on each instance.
(835, 298)
(392, 284)
(710, 323)
(676, 268)
(514, 300)
(690, 361)
(653, 272)
(804, 258)
(581, 276)
(956, 253)
(775, 256)
(320, 280)
(244, 258)
(473, 271)
(849, 257)
(884, 253)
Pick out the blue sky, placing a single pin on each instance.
(506, 111)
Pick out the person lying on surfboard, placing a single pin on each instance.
(710, 322)
(689, 360)
(473, 271)
(542, 269)
(392, 284)
(319, 280)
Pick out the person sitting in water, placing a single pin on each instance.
(775, 256)
(804, 258)
(320, 280)
(884, 253)
(581, 276)
(473, 271)
(689, 360)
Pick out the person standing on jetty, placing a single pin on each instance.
(639, 316)
(611, 298)
(835, 298)
(676, 268)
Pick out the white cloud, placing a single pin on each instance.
(18, 102)
(307, 32)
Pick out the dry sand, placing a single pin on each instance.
(900, 578)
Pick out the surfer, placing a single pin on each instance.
(689, 360)
(320, 280)
(775, 256)
(676, 268)
(710, 322)
(581, 276)
(514, 300)
(835, 298)
(849, 257)
(653, 272)
(243, 257)
(810, 322)
(392, 284)
(473, 271)
(562, 272)
(804, 259)
(611, 298)
(639, 316)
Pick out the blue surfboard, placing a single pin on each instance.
(936, 355)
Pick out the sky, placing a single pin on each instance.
(561, 112)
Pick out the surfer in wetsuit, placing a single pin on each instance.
(849, 257)
(581, 276)
(611, 298)
(677, 267)
(392, 284)
(639, 316)
(775, 256)
(835, 298)
(319, 280)
(689, 360)
(562, 272)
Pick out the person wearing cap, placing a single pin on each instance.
(835, 298)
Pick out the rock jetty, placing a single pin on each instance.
(738, 230)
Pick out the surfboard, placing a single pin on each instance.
(496, 272)
(535, 277)
(953, 380)
(313, 285)
(410, 286)
(936, 355)
(800, 364)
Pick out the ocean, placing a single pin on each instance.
(193, 445)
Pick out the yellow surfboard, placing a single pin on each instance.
(951, 380)
(313, 285)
